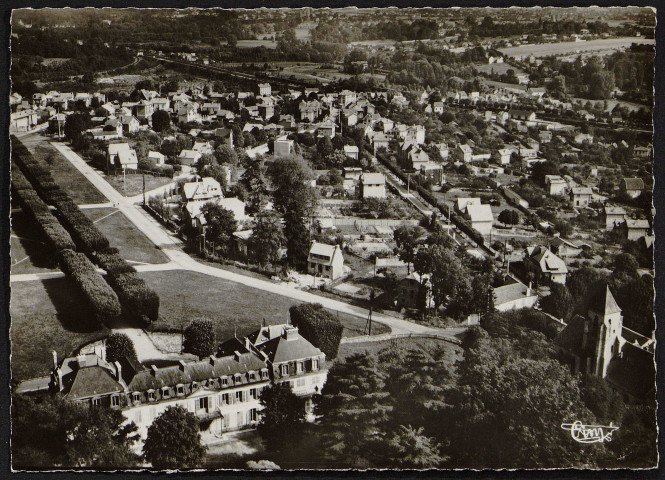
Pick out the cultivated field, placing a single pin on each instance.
(567, 48)
(132, 184)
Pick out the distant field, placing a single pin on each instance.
(47, 315)
(567, 48)
(453, 352)
(257, 43)
(232, 307)
(497, 68)
(122, 234)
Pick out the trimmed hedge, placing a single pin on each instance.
(113, 263)
(98, 293)
(319, 326)
(34, 207)
(136, 296)
(85, 234)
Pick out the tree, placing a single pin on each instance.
(324, 146)
(221, 222)
(297, 240)
(267, 240)
(48, 431)
(161, 121)
(354, 407)
(559, 302)
(118, 347)
(199, 338)
(563, 227)
(509, 217)
(225, 154)
(319, 326)
(625, 264)
(408, 448)
(232, 41)
(254, 181)
(174, 441)
(283, 415)
(407, 240)
(75, 124)
(541, 169)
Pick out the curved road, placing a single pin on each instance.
(172, 247)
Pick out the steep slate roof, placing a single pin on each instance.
(508, 293)
(602, 301)
(570, 338)
(633, 372)
(288, 347)
(93, 381)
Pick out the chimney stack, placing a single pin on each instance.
(528, 290)
(118, 370)
(55, 359)
(585, 335)
(154, 369)
(80, 359)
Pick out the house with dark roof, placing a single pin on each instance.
(632, 186)
(514, 295)
(550, 267)
(221, 390)
(597, 343)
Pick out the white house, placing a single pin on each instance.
(551, 267)
(481, 218)
(513, 296)
(556, 184)
(156, 157)
(283, 146)
(325, 261)
(235, 205)
(206, 189)
(351, 151)
(121, 155)
(373, 185)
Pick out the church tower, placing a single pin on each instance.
(605, 324)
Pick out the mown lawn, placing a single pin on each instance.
(130, 241)
(68, 177)
(132, 184)
(231, 306)
(28, 252)
(47, 315)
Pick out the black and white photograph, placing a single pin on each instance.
(274, 239)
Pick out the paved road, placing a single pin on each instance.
(171, 246)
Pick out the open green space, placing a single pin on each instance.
(131, 242)
(68, 177)
(47, 315)
(29, 253)
(132, 184)
(232, 307)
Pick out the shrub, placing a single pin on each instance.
(136, 296)
(83, 231)
(319, 326)
(99, 295)
(199, 338)
(57, 236)
(118, 347)
(113, 263)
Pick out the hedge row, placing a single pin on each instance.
(86, 235)
(131, 290)
(136, 296)
(35, 208)
(459, 222)
(98, 293)
(318, 326)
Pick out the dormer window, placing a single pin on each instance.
(115, 401)
(96, 401)
(225, 381)
(252, 376)
(136, 397)
(165, 392)
(195, 385)
(315, 364)
(180, 389)
(299, 368)
(264, 374)
(237, 378)
(151, 395)
(285, 369)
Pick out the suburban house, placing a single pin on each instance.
(130, 124)
(206, 189)
(632, 186)
(556, 185)
(614, 216)
(643, 152)
(144, 109)
(283, 146)
(550, 267)
(514, 295)
(481, 218)
(503, 156)
(515, 199)
(325, 261)
(23, 121)
(264, 89)
(525, 115)
(120, 155)
(351, 151)
(326, 129)
(373, 185)
(222, 390)
(636, 229)
(413, 291)
(466, 152)
(462, 202)
(204, 148)
(309, 111)
(565, 248)
(156, 157)
(597, 343)
(234, 205)
(581, 196)
(189, 157)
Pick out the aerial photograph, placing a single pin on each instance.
(330, 239)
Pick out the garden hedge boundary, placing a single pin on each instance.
(318, 326)
(98, 293)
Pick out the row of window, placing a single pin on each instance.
(300, 367)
